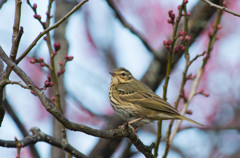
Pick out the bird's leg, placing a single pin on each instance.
(135, 120)
(130, 122)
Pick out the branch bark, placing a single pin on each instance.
(39, 136)
(51, 108)
(20, 126)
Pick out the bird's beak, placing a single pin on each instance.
(112, 73)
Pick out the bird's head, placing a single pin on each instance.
(121, 75)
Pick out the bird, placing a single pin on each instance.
(135, 102)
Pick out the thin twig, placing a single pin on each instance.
(212, 39)
(5, 82)
(184, 80)
(39, 136)
(49, 29)
(169, 66)
(222, 8)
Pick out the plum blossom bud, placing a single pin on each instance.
(70, 58)
(51, 84)
(219, 26)
(170, 21)
(49, 78)
(61, 63)
(179, 7)
(42, 64)
(41, 59)
(185, 1)
(47, 83)
(57, 46)
(34, 6)
(189, 112)
(187, 38)
(53, 98)
(32, 61)
(54, 53)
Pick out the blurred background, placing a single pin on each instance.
(99, 42)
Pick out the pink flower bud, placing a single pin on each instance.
(19, 145)
(35, 16)
(57, 46)
(176, 49)
(70, 58)
(54, 53)
(53, 98)
(169, 42)
(66, 56)
(45, 38)
(185, 1)
(189, 112)
(182, 38)
(61, 63)
(172, 16)
(42, 64)
(43, 23)
(63, 70)
(34, 6)
(187, 38)
(179, 7)
(164, 42)
(217, 37)
(170, 21)
(47, 83)
(182, 47)
(219, 26)
(32, 61)
(41, 59)
(49, 78)
(51, 84)
(224, 3)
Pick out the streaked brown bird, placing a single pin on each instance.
(134, 101)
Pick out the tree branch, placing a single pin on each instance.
(39, 136)
(20, 126)
(51, 108)
(222, 8)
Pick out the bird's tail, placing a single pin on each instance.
(188, 119)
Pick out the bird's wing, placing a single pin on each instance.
(144, 97)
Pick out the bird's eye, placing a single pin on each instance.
(123, 74)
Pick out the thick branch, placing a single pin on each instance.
(20, 126)
(39, 136)
(51, 108)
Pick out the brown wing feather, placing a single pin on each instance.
(144, 96)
